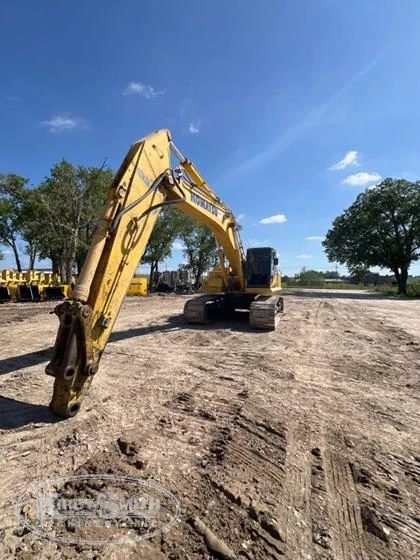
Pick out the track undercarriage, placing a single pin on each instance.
(263, 310)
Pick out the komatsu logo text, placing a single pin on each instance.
(204, 204)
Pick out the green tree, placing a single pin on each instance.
(331, 275)
(360, 274)
(12, 188)
(97, 182)
(311, 278)
(66, 208)
(159, 247)
(200, 248)
(28, 225)
(381, 228)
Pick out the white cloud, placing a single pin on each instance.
(304, 256)
(60, 123)
(361, 179)
(276, 219)
(147, 91)
(351, 158)
(240, 217)
(194, 128)
(315, 238)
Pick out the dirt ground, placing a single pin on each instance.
(302, 443)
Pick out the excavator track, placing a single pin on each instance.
(200, 309)
(263, 310)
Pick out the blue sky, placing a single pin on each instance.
(266, 97)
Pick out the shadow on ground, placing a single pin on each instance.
(8, 365)
(237, 322)
(16, 414)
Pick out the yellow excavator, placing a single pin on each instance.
(145, 182)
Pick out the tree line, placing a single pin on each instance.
(318, 279)
(380, 229)
(56, 219)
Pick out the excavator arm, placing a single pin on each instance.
(145, 182)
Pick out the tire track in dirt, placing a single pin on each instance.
(18, 470)
(344, 509)
(303, 516)
(345, 506)
(295, 499)
(244, 479)
(244, 470)
(326, 494)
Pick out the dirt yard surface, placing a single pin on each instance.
(302, 443)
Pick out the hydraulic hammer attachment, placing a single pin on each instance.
(73, 363)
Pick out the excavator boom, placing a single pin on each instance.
(145, 182)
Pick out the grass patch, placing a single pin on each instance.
(413, 290)
(325, 286)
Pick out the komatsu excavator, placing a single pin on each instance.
(145, 182)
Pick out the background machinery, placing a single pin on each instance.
(31, 286)
(145, 182)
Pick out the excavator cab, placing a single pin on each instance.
(261, 263)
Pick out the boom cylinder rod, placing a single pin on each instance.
(177, 152)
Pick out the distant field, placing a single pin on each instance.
(413, 288)
(327, 286)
